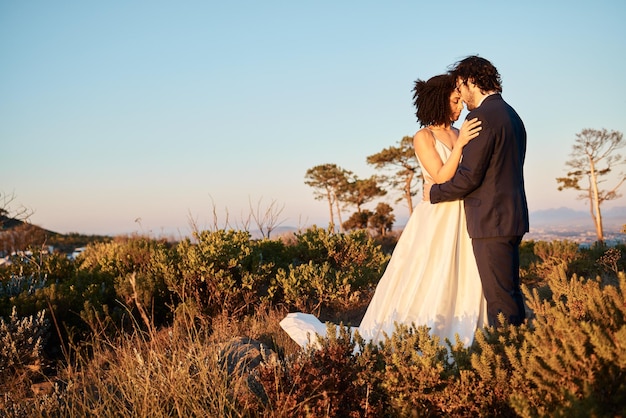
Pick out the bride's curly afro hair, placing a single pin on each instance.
(432, 100)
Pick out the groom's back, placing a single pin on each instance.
(498, 206)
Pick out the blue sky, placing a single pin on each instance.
(137, 116)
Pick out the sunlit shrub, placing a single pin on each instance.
(138, 266)
(573, 362)
(21, 344)
(490, 380)
(555, 255)
(225, 271)
(332, 271)
(611, 262)
(329, 381)
(416, 370)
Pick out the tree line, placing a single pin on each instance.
(342, 189)
(594, 156)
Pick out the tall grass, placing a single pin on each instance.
(179, 371)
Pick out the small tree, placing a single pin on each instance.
(593, 157)
(358, 192)
(327, 180)
(400, 157)
(382, 220)
(358, 220)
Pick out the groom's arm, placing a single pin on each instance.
(471, 172)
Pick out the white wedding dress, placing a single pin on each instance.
(431, 279)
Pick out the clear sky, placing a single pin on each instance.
(137, 116)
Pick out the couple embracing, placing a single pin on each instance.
(455, 267)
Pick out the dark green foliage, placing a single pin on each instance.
(598, 261)
(55, 285)
(539, 259)
(66, 243)
(79, 305)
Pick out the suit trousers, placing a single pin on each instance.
(497, 259)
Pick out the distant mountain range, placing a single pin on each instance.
(562, 218)
(566, 216)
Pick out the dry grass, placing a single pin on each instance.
(178, 371)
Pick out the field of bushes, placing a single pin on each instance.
(142, 327)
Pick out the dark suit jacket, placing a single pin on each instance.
(490, 177)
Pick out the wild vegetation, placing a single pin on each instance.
(138, 326)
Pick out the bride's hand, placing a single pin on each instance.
(469, 130)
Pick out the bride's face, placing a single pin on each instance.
(456, 105)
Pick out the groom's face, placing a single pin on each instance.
(466, 89)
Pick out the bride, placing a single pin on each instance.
(431, 278)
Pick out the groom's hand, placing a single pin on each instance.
(426, 194)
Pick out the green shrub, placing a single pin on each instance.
(138, 267)
(225, 271)
(590, 264)
(573, 362)
(330, 271)
(80, 305)
(546, 258)
(39, 264)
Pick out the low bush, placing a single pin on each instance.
(39, 264)
(138, 267)
(568, 359)
(225, 271)
(330, 272)
(21, 347)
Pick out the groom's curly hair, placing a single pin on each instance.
(432, 100)
(480, 71)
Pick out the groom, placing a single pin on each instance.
(490, 180)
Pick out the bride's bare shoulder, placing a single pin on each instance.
(423, 136)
